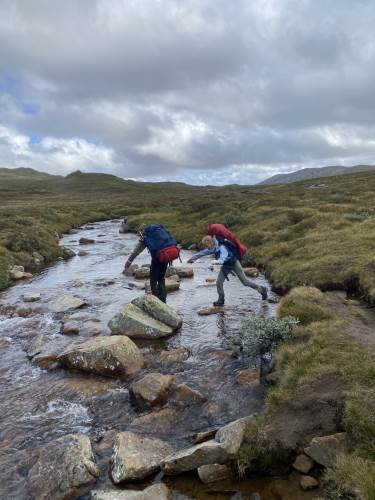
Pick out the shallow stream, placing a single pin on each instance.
(39, 405)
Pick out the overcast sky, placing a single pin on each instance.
(203, 91)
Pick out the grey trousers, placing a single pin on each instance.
(239, 272)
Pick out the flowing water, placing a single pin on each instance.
(39, 405)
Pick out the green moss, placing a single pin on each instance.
(304, 303)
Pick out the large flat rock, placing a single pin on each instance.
(158, 310)
(135, 457)
(135, 323)
(109, 356)
(64, 469)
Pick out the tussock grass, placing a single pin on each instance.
(319, 347)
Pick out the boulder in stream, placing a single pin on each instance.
(154, 492)
(135, 457)
(64, 469)
(183, 395)
(141, 273)
(214, 472)
(146, 317)
(208, 310)
(158, 310)
(109, 356)
(152, 388)
(86, 241)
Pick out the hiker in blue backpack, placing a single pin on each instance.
(163, 249)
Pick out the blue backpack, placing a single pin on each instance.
(156, 237)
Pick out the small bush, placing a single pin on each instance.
(258, 335)
(232, 219)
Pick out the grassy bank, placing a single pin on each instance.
(321, 363)
(319, 234)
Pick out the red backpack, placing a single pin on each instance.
(222, 233)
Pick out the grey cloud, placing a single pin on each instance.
(187, 88)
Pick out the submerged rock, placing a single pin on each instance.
(308, 483)
(152, 388)
(31, 297)
(158, 310)
(174, 355)
(154, 492)
(86, 241)
(248, 376)
(64, 469)
(135, 457)
(214, 472)
(135, 323)
(70, 328)
(109, 356)
(66, 302)
(183, 395)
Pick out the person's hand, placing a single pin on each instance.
(190, 261)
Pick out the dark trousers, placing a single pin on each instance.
(157, 279)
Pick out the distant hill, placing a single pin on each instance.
(315, 173)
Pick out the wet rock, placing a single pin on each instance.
(130, 270)
(152, 388)
(223, 354)
(303, 464)
(252, 272)
(67, 253)
(135, 457)
(209, 452)
(82, 253)
(86, 241)
(210, 280)
(73, 231)
(108, 356)
(138, 286)
(158, 310)
(154, 492)
(64, 469)
(214, 472)
(24, 312)
(66, 302)
(250, 376)
(206, 311)
(91, 329)
(42, 351)
(76, 284)
(31, 297)
(171, 285)
(325, 450)
(308, 483)
(70, 328)
(231, 435)
(159, 422)
(200, 437)
(183, 395)
(175, 355)
(184, 272)
(135, 323)
(141, 273)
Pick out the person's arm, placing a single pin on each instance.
(137, 250)
(202, 253)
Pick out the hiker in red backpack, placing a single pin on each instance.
(228, 251)
(163, 249)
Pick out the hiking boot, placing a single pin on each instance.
(264, 293)
(219, 303)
